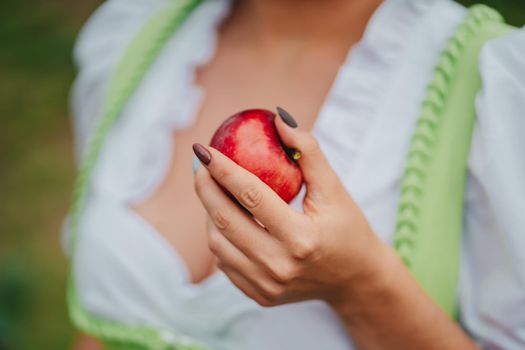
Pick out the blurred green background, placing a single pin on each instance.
(36, 166)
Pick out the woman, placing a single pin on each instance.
(353, 73)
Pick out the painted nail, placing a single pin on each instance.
(195, 164)
(287, 118)
(202, 153)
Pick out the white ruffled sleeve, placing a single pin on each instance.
(492, 291)
(98, 51)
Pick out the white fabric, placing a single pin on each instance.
(126, 271)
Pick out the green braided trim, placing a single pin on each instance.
(138, 58)
(427, 131)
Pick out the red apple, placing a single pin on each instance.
(250, 139)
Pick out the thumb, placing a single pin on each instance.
(322, 183)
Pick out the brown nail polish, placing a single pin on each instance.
(202, 153)
(287, 118)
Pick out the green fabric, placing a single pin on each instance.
(430, 215)
(432, 186)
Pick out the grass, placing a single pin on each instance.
(36, 166)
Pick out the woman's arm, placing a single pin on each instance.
(389, 310)
(329, 252)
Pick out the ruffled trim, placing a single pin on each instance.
(426, 132)
(364, 81)
(188, 102)
(178, 110)
(131, 167)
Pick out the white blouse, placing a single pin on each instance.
(126, 271)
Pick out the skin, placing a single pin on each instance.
(286, 52)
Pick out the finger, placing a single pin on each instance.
(254, 280)
(265, 291)
(233, 260)
(253, 194)
(255, 293)
(320, 179)
(245, 286)
(228, 218)
(229, 255)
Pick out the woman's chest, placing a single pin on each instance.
(174, 208)
(362, 111)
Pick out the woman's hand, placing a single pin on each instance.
(276, 255)
(289, 256)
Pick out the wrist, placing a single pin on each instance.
(373, 286)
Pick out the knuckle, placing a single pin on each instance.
(284, 272)
(220, 221)
(251, 198)
(221, 175)
(273, 292)
(214, 242)
(289, 272)
(305, 248)
(263, 302)
(310, 145)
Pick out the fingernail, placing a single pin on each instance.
(202, 153)
(287, 118)
(195, 164)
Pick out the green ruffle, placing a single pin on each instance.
(413, 184)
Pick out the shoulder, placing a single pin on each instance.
(497, 144)
(501, 101)
(111, 27)
(502, 62)
(97, 52)
(108, 34)
(492, 276)
(496, 155)
(509, 46)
